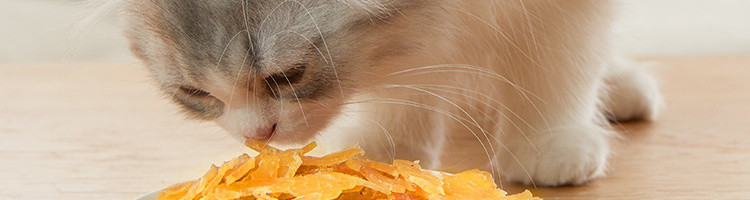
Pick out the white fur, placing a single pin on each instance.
(632, 92)
(520, 88)
(522, 100)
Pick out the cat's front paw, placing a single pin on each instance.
(633, 94)
(568, 157)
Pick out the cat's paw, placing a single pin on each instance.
(633, 94)
(567, 157)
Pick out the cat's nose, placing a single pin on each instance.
(263, 133)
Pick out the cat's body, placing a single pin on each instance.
(518, 87)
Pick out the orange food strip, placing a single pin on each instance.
(267, 169)
(219, 176)
(382, 180)
(201, 184)
(472, 184)
(224, 192)
(243, 166)
(412, 172)
(382, 167)
(260, 146)
(293, 162)
(176, 191)
(332, 159)
(406, 197)
(284, 175)
(308, 148)
(322, 185)
(354, 164)
(525, 195)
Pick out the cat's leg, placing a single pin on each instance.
(632, 93)
(555, 134)
(387, 131)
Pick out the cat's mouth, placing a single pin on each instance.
(285, 133)
(264, 133)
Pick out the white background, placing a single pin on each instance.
(45, 30)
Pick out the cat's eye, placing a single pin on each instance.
(194, 92)
(288, 77)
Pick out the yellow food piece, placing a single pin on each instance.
(176, 191)
(275, 174)
(474, 184)
(201, 184)
(213, 182)
(244, 164)
(335, 158)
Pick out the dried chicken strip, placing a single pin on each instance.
(276, 174)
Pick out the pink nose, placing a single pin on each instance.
(263, 133)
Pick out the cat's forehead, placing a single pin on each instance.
(194, 39)
(268, 25)
(262, 15)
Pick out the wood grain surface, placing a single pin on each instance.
(101, 131)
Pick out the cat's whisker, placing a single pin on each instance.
(273, 92)
(255, 93)
(461, 66)
(296, 96)
(486, 73)
(237, 79)
(389, 136)
(505, 36)
(385, 132)
(474, 107)
(491, 160)
(361, 137)
(485, 96)
(523, 53)
(247, 25)
(455, 117)
(320, 33)
(519, 89)
(526, 171)
(221, 56)
(276, 96)
(248, 102)
(325, 44)
(176, 90)
(437, 87)
(268, 16)
(530, 26)
(511, 121)
(485, 133)
(322, 55)
(461, 121)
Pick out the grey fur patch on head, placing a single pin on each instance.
(183, 42)
(205, 44)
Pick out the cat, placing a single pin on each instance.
(521, 88)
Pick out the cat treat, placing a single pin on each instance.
(290, 174)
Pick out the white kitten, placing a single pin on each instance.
(516, 87)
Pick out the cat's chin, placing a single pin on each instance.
(291, 138)
(282, 139)
(297, 136)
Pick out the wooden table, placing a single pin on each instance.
(101, 131)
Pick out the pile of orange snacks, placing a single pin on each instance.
(277, 174)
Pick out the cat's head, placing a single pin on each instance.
(270, 68)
